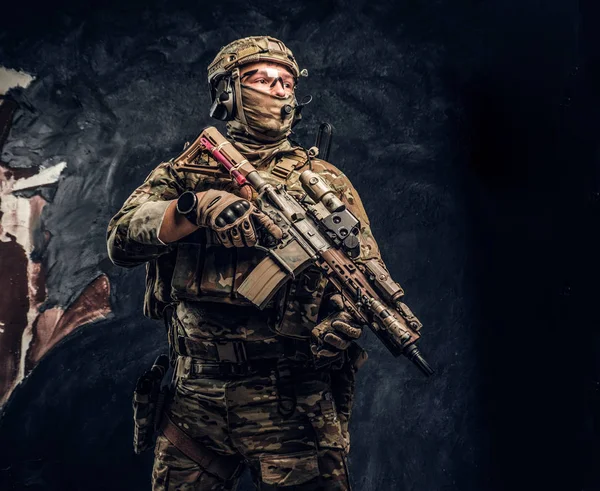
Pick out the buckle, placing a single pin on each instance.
(236, 369)
(183, 367)
(232, 351)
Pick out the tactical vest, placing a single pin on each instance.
(205, 271)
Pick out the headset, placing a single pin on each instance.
(222, 96)
(223, 102)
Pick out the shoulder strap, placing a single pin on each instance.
(287, 164)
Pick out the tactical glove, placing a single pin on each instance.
(235, 220)
(335, 332)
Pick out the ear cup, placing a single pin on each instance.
(218, 111)
(223, 103)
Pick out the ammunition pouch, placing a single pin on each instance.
(298, 303)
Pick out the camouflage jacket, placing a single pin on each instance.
(200, 276)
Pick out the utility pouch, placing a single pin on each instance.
(343, 380)
(148, 403)
(357, 356)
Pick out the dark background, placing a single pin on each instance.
(470, 129)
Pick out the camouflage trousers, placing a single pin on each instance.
(239, 417)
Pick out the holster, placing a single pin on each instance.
(148, 404)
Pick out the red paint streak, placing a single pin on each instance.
(14, 305)
(53, 325)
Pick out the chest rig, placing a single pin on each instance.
(205, 271)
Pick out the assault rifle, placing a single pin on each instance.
(319, 230)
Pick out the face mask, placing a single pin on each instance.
(265, 112)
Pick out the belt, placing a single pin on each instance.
(187, 367)
(243, 351)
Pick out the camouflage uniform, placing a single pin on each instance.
(193, 283)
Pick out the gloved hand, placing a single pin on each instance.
(335, 332)
(234, 219)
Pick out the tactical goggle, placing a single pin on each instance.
(271, 76)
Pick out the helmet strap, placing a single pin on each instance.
(237, 90)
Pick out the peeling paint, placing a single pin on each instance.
(19, 218)
(10, 78)
(54, 324)
(44, 178)
(26, 334)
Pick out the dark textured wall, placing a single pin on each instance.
(469, 130)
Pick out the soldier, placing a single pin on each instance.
(271, 390)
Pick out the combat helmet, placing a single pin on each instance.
(224, 73)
